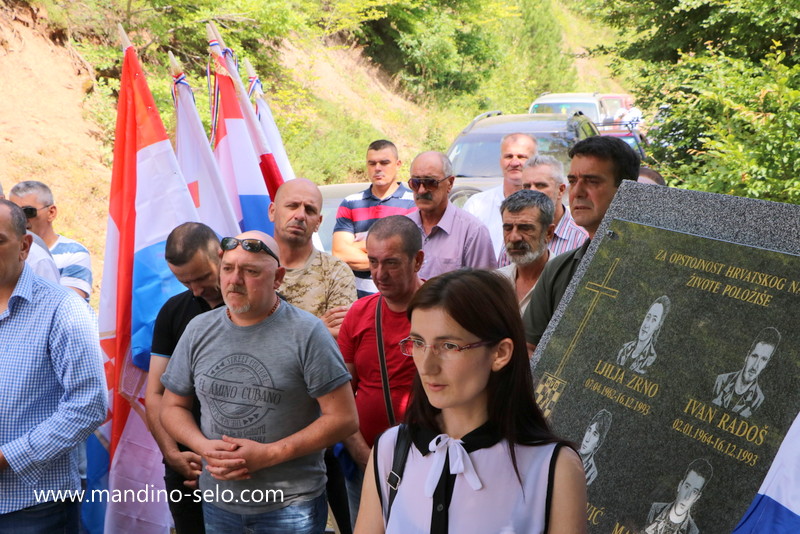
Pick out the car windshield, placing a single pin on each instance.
(477, 155)
(570, 108)
(612, 104)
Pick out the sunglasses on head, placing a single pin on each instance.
(431, 184)
(31, 212)
(250, 245)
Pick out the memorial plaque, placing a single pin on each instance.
(674, 369)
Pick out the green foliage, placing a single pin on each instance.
(730, 125)
(459, 57)
(660, 30)
(532, 59)
(343, 137)
(724, 77)
(436, 47)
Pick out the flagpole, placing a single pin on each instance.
(251, 73)
(123, 37)
(262, 147)
(174, 67)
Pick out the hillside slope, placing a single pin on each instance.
(45, 133)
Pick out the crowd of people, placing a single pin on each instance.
(285, 370)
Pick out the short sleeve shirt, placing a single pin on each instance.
(359, 347)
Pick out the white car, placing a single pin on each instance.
(589, 104)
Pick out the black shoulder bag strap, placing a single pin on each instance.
(399, 457)
(387, 396)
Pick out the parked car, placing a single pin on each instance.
(475, 153)
(570, 103)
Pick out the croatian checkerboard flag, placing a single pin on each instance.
(148, 199)
(776, 508)
(198, 165)
(236, 156)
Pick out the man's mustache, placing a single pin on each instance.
(521, 246)
(236, 288)
(423, 196)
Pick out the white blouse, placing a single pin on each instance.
(487, 496)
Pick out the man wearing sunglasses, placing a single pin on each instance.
(71, 257)
(39, 258)
(274, 393)
(451, 237)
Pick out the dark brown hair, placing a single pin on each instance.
(484, 304)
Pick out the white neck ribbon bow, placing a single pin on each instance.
(460, 463)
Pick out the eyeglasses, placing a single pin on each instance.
(446, 350)
(31, 212)
(431, 184)
(250, 245)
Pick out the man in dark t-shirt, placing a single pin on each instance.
(192, 254)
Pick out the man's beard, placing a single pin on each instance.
(530, 255)
(241, 290)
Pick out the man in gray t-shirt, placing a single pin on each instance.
(273, 391)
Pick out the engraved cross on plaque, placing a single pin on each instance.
(551, 386)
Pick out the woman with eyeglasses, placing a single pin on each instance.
(480, 456)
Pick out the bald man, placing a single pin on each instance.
(314, 281)
(273, 392)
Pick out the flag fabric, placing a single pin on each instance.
(148, 199)
(266, 160)
(236, 156)
(776, 508)
(270, 129)
(198, 165)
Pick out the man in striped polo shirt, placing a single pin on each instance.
(357, 213)
(72, 258)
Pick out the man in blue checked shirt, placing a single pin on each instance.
(53, 388)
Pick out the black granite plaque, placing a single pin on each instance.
(673, 368)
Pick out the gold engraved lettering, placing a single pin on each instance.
(700, 410)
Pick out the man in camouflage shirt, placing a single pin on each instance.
(315, 281)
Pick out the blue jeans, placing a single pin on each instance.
(45, 518)
(304, 517)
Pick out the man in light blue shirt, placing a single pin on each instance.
(53, 387)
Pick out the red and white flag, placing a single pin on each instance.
(198, 164)
(148, 199)
(266, 159)
(270, 129)
(236, 156)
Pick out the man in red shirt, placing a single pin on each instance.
(394, 252)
